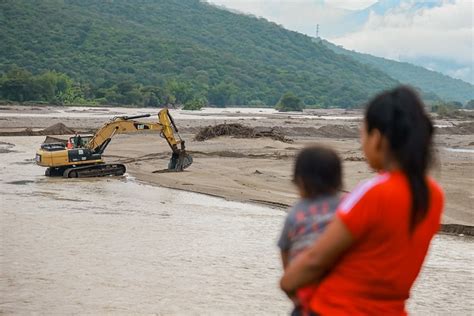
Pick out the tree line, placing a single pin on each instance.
(52, 87)
(20, 85)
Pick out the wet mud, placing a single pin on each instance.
(118, 246)
(6, 148)
(127, 245)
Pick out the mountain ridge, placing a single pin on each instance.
(121, 51)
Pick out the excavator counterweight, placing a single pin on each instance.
(85, 158)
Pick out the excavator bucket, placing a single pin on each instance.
(180, 161)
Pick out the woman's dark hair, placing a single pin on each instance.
(319, 170)
(400, 116)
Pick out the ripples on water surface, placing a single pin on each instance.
(113, 245)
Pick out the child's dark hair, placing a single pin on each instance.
(399, 115)
(318, 170)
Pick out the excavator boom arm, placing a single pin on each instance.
(124, 125)
(169, 129)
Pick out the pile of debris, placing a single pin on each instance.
(326, 131)
(465, 128)
(56, 129)
(338, 131)
(239, 131)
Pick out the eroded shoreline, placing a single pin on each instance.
(116, 245)
(258, 170)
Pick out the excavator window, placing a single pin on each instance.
(83, 141)
(53, 146)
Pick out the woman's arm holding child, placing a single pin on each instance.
(311, 265)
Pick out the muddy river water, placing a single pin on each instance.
(117, 246)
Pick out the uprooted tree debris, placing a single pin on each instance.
(239, 131)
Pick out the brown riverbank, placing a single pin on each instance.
(118, 246)
(259, 170)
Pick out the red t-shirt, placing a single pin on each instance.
(376, 274)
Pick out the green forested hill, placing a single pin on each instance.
(156, 51)
(446, 87)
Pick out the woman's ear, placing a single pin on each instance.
(378, 140)
(384, 144)
(376, 149)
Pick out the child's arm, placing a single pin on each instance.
(284, 258)
(284, 242)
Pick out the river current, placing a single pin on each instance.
(117, 246)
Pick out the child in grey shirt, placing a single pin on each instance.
(318, 177)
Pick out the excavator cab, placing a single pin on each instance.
(78, 141)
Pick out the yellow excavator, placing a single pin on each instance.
(84, 158)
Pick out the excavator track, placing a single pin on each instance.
(98, 170)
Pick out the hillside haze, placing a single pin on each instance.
(227, 58)
(431, 82)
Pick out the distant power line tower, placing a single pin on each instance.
(317, 30)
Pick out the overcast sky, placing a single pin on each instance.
(250, 5)
(443, 33)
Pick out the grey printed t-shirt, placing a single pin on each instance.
(306, 221)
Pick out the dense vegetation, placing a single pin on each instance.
(470, 105)
(151, 52)
(195, 104)
(430, 82)
(289, 102)
(20, 85)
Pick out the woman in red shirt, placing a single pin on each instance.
(370, 255)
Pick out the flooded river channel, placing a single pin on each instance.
(114, 245)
